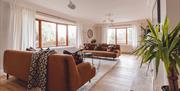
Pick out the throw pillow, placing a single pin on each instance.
(77, 56)
(110, 49)
(30, 49)
(98, 48)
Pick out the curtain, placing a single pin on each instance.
(6, 27)
(104, 34)
(24, 33)
(134, 36)
(16, 27)
(79, 41)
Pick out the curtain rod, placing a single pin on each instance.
(55, 16)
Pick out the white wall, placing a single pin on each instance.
(173, 11)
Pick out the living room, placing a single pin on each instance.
(81, 45)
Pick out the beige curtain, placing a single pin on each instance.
(16, 27)
(6, 27)
(24, 33)
(79, 37)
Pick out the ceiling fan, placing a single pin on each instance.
(71, 5)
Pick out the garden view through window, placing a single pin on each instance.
(119, 35)
(50, 34)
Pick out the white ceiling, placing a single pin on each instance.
(95, 10)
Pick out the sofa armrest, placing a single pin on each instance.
(118, 52)
(84, 67)
(86, 72)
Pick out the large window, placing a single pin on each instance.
(111, 36)
(37, 33)
(50, 34)
(72, 35)
(62, 33)
(119, 35)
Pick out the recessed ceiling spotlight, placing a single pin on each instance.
(71, 5)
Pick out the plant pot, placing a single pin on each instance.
(166, 88)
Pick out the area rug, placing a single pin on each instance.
(103, 66)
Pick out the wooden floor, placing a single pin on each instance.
(126, 76)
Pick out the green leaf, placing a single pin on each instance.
(165, 58)
(151, 28)
(174, 43)
(142, 28)
(175, 31)
(157, 30)
(157, 61)
(165, 30)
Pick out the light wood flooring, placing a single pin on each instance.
(126, 76)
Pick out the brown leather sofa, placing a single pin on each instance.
(63, 73)
(102, 50)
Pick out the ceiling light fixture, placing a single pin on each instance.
(109, 19)
(71, 5)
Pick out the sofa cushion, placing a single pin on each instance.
(104, 46)
(101, 53)
(77, 57)
(89, 46)
(98, 48)
(110, 48)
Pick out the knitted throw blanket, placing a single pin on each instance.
(38, 69)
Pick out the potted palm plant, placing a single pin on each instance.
(162, 46)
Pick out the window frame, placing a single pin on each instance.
(126, 29)
(40, 45)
